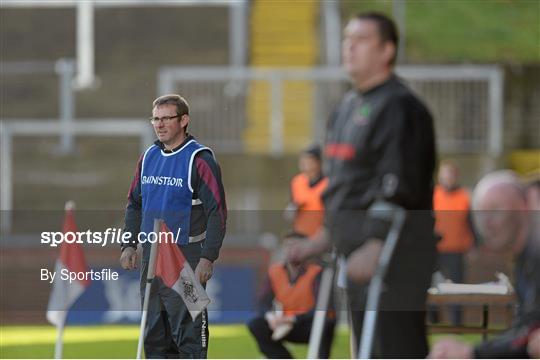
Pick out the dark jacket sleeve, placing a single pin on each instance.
(404, 137)
(207, 183)
(512, 343)
(133, 215)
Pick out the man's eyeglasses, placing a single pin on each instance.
(165, 119)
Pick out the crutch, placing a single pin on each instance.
(353, 342)
(396, 215)
(321, 308)
(148, 286)
(341, 283)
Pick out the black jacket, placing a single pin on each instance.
(380, 145)
(513, 342)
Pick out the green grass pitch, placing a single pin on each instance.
(115, 341)
(118, 341)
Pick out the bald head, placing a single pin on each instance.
(504, 185)
(500, 210)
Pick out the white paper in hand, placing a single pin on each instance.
(281, 331)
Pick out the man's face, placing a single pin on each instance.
(448, 176)
(533, 197)
(169, 132)
(499, 216)
(363, 51)
(310, 165)
(286, 245)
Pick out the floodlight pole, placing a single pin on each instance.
(85, 44)
(65, 68)
(238, 33)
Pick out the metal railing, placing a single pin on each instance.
(466, 102)
(9, 128)
(65, 70)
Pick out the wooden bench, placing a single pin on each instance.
(483, 300)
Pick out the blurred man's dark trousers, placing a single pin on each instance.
(299, 334)
(401, 323)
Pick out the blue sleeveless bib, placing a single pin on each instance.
(167, 191)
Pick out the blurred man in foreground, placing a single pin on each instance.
(380, 148)
(506, 222)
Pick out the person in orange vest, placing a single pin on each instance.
(287, 307)
(452, 203)
(306, 190)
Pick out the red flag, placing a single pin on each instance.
(64, 293)
(176, 273)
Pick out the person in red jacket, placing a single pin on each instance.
(452, 203)
(306, 190)
(287, 307)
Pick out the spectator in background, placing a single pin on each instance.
(451, 203)
(503, 214)
(306, 189)
(294, 289)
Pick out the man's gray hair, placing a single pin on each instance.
(496, 178)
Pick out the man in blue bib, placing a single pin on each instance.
(178, 180)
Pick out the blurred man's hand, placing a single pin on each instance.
(204, 270)
(362, 262)
(128, 259)
(451, 349)
(301, 251)
(533, 346)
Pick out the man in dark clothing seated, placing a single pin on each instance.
(507, 219)
(287, 303)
